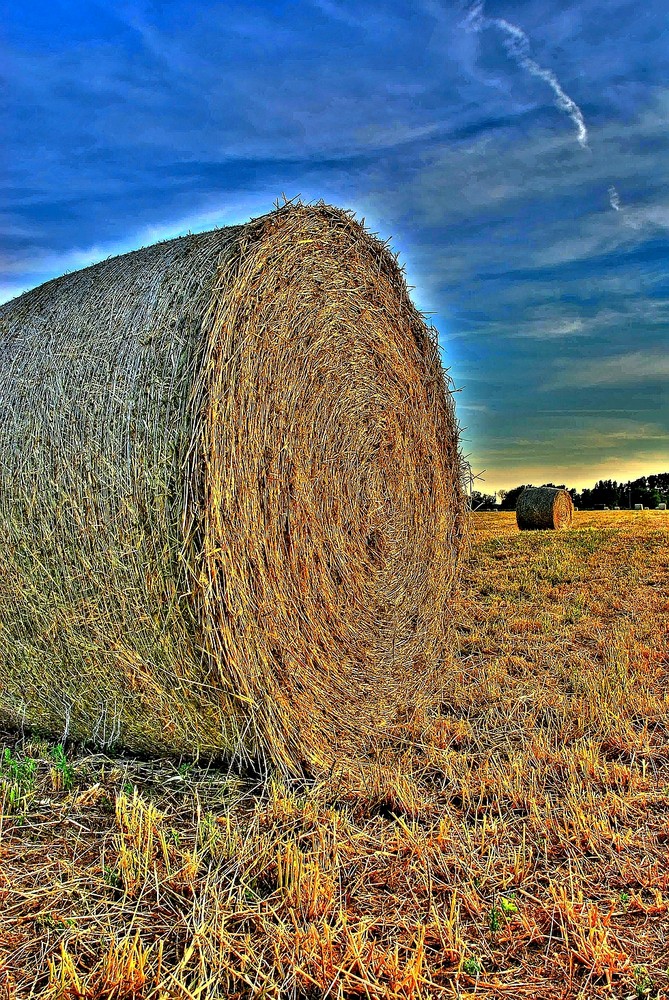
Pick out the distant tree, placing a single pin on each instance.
(643, 493)
(510, 497)
(482, 501)
(647, 490)
(605, 491)
(584, 498)
(660, 483)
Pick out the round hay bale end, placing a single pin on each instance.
(540, 507)
(230, 496)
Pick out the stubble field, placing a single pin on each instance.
(513, 844)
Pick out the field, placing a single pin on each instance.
(515, 843)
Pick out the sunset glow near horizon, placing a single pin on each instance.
(517, 155)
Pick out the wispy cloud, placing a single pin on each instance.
(599, 446)
(517, 45)
(505, 473)
(614, 199)
(620, 369)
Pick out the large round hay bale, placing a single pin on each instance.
(544, 507)
(230, 496)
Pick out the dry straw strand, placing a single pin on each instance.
(230, 495)
(544, 507)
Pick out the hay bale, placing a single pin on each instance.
(638, 506)
(662, 506)
(544, 507)
(230, 495)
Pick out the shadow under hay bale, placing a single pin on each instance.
(544, 507)
(230, 495)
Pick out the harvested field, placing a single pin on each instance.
(516, 846)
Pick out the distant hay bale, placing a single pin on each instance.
(662, 506)
(230, 495)
(544, 507)
(638, 506)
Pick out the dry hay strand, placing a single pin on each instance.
(230, 495)
(544, 507)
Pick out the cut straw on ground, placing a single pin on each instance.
(516, 844)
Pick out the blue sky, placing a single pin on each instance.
(516, 153)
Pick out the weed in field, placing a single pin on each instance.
(507, 906)
(17, 781)
(472, 966)
(62, 773)
(643, 984)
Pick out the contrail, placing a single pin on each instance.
(517, 44)
(614, 198)
(630, 217)
(475, 18)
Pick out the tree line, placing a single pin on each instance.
(650, 491)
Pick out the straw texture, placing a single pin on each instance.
(230, 495)
(544, 507)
